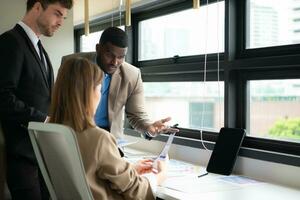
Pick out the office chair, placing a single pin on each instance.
(59, 159)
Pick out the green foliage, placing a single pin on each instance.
(286, 128)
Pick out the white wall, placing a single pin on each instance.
(62, 43)
(10, 12)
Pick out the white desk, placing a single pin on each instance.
(216, 187)
(255, 191)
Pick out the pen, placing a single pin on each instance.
(174, 126)
(202, 175)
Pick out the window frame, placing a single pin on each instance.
(237, 66)
(167, 64)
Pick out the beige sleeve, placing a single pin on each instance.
(120, 174)
(135, 107)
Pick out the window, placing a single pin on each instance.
(258, 69)
(193, 105)
(88, 43)
(272, 23)
(275, 109)
(184, 33)
(202, 112)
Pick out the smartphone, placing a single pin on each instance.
(225, 151)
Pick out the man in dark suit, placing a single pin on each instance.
(26, 79)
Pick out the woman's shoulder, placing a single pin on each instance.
(99, 133)
(96, 130)
(101, 139)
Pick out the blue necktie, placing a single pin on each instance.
(101, 116)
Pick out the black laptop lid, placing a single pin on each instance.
(225, 151)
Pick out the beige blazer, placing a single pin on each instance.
(110, 176)
(125, 91)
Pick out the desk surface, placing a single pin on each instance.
(183, 183)
(215, 190)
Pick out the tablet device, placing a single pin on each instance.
(225, 151)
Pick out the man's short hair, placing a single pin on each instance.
(65, 3)
(114, 35)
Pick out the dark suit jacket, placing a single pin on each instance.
(25, 90)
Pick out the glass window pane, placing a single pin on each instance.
(88, 43)
(192, 105)
(183, 33)
(272, 23)
(275, 109)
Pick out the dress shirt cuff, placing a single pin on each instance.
(47, 119)
(148, 135)
(153, 182)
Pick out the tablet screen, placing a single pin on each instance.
(225, 151)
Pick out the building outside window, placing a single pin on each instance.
(274, 109)
(187, 103)
(272, 23)
(177, 34)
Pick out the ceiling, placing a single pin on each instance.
(97, 8)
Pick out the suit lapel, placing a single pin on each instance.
(114, 88)
(36, 56)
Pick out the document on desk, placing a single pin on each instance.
(177, 168)
(122, 142)
(210, 183)
(240, 180)
(193, 184)
(164, 153)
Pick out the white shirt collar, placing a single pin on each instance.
(32, 36)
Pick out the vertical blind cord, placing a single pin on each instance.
(112, 13)
(204, 79)
(120, 11)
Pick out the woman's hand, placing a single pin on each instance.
(161, 171)
(143, 166)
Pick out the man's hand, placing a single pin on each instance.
(159, 127)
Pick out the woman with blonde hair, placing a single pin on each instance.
(74, 102)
